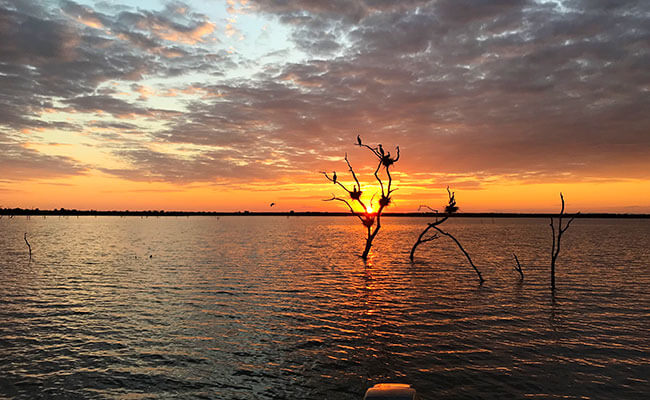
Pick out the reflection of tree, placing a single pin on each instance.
(368, 217)
(450, 208)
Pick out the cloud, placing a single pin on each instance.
(495, 87)
(45, 59)
(18, 163)
(211, 166)
(515, 89)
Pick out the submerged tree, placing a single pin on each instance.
(450, 209)
(371, 219)
(555, 248)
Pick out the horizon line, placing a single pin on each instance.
(176, 213)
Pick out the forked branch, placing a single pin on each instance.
(450, 209)
(555, 247)
(423, 238)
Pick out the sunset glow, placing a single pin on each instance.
(232, 105)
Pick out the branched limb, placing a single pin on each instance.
(555, 246)
(334, 198)
(354, 176)
(381, 184)
(423, 239)
(451, 208)
(390, 182)
(355, 193)
(378, 151)
(334, 179)
(375, 150)
(430, 238)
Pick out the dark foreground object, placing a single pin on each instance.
(391, 391)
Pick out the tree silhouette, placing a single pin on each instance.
(555, 247)
(370, 219)
(450, 208)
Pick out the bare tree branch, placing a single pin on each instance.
(555, 246)
(481, 280)
(334, 198)
(431, 224)
(426, 206)
(355, 193)
(354, 176)
(450, 208)
(430, 238)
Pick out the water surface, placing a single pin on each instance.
(277, 307)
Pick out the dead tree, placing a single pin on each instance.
(371, 219)
(555, 248)
(28, 246)
(518, 268)
(450, 208)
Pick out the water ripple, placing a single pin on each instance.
(274, 308)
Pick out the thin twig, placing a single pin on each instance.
(426, 206)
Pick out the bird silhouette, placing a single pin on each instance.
(272, 204)
(334, 176)
(359, 139)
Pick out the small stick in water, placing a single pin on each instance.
(28, 246)
(518, 267)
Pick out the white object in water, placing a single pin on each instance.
(391, 391)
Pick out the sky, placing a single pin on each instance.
(232, 105)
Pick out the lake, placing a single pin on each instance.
(283, 308)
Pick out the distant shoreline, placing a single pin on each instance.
(162, 213)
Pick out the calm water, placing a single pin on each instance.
(282, 308)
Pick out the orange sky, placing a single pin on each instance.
(109, 193)
(232, 105)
